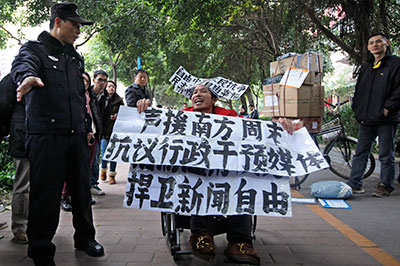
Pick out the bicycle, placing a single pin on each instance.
(339, 151)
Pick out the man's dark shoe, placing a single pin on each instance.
(91, 247)
(66, 203)
(357, 190)
(202, 245)
(382, 191)
(241, 252)
(93, 201)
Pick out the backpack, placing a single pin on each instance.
(8, 98)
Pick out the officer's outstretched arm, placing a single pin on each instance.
(27, 84)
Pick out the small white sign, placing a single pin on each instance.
(294, 77)
(334, 203)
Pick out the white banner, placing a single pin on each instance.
(184, 84)
(171, 137)
(207, 192)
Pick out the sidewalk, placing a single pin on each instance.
(133, 237)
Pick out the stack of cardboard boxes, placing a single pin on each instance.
(294, 89)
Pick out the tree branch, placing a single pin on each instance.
(352, 53)
(102, 28)
(11, 35)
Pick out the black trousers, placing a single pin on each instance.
(55, 159)
(238, 230)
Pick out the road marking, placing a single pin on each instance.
(364, 243)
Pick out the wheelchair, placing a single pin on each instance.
(172, 225)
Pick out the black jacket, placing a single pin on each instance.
(135, 93)
(96, 117)
(377, 89)
(254, 114)
(16, 145)
(104, 104)
(15, 118)
(59, 106)
(116, 102)
(7, 102)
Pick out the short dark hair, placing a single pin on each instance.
(112, 81)
(251, 105)
(377, 33)
(53, 21)
(100, 72)
(87, 74)
(142, 71)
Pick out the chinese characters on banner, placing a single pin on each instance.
(172, 137)
(209, 164)
(184, 84)
(212, 192)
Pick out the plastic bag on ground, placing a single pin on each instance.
(331, 190)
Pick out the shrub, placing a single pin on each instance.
(7, 171)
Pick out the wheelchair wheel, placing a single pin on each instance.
(253, 230)
(296, 181)
(164, 223)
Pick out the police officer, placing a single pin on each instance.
(49, 73)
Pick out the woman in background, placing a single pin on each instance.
(116, 102)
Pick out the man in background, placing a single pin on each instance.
(100, 79)
(376, 106)
(254, 113)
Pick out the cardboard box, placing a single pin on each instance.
(306, 101)
(271, 100)
(310, 60)
(313, 78)
(313, 124)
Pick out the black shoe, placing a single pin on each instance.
(91, 247)
(66, 203)
(93, 202)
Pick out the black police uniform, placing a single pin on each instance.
(56, 142)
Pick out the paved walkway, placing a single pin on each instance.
(133, 237)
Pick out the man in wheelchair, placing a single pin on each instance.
(239, 227)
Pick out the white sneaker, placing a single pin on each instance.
(96, 190)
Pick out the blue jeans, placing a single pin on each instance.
(366, 136)
(113, 165)
(94, 171)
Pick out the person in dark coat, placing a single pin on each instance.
(15, 121)
(254, 112)
(116, 102)
(138, 89)
(48, 73)
(100, 78)
(376, 106)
